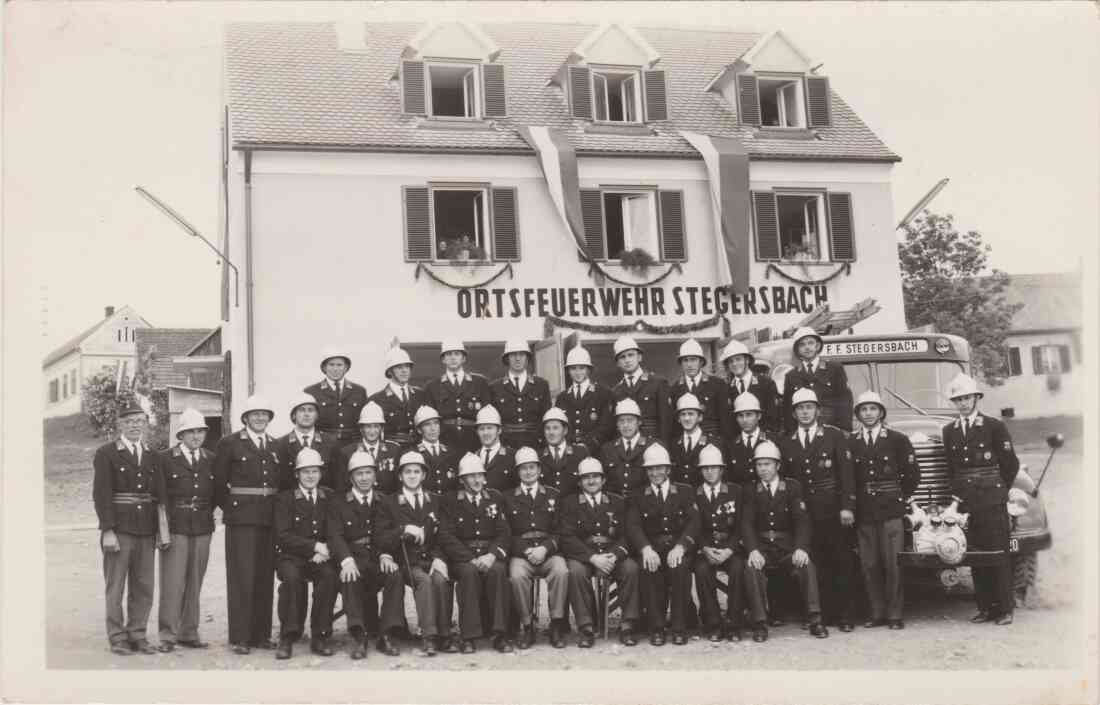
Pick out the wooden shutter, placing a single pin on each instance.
(841, 236)
(580, 92)
(592, 214)
(748, 99)
(766, 225)
(414, 95)
(1014, 366)
(656, 96)
(1036, 360)
(418, 223)
(1063, 355)
(492, 90)
(817, 101)
(671, 208)
(505, 230)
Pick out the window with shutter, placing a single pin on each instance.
(765, 225)
(1014, 367)
(817, 101)
(493, 90)
(592, 214)
(418, 223)
(656, 96)
(505, 231)
(841, 236)
(673, 247)
(580, 92)
(412, 88)
(1037, 360)
(748, 100)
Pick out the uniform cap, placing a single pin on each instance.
(526, 455)
(372, 413)
(735, 347)
(578, 356)
(766, 450)
(256, 403)
(688, 401)
(589, 466)
(962, 385)
(190, 420)
(628, 407)
(396, 356)
(451, 345)
(624, 343)
(709, 455)
(301, 400)
(308, 458)
(556, 414)
(331, 353)
(411, 457)
(513, 346)
(424, 413)
(488, 414)
(129, 408)
(691, 348)
(655, 455)
(746, 401)
(361, 459)
(470, 464)
(870, 397)
(803, 395)
(805, 332)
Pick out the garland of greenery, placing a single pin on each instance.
(421, 267)
(638, 326)
(846, 269)
(603, 273)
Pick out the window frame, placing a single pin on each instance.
(632, 190)
(1051, 353)
(487, 225)
(603, 70)
(824, 256)
(475, 70)
(795, 80)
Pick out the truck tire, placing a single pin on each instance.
(1024, 570)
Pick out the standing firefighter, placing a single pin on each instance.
(826, 379)
(742, 380)
(719, 504)
(383, 452)
(303, 414)
(496, 459)
(399, 399)
(684, 450)
(744, 438)
(340, 400)
(559, 457)
(709, 391)
(440, 471)
(649, 391)
(982, 465)
(246, 476)
(622, 457)
(187, 490)
(886, 473)
(520, 397)
(587, 404)
(457, 395)
(126, 478)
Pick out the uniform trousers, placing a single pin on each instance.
(249, 567)
(129, 570)
(482, 598)
(294, 573)
(522, 574)
(357, 607)
(433, 595)
(182, 569)
(831, 550)
(756, 583)
(583, 598)
(879, 545)
(667, 588)
(989, 530)
(706, 585)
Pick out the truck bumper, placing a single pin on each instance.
(1018, 544)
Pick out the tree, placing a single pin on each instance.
(946, 282)
(101, 402)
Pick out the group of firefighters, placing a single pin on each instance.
(480, 489)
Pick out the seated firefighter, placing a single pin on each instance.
(301, 541)
(355, 521)
(775, 529)
(720, 548)
(593, 539)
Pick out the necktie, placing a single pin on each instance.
(435, 450)
(338, 388)
(557, 454)
(311, 498)
(966, 427)
(477, 501)
(661, 494)
(416, 501)
(808, 368)
(687, 444)
(515, 383)
(713, 495)
(591, 501)
(454, 380)
(630, 383)
(263, 446)
(805, 438)
(691, 386)
(194, 458)
(531, 493)
(373, 456)
(404, 396)
(486, 460)
(136, 449)
(305, 441)
(577, 391)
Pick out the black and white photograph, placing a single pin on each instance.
(550, 352)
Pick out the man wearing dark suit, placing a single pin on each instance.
(742, 380)
(684, 448)
(588, 405)
(246, 477)
(826, 379)
(520, 397)
(708, 390)
(495, 457)
(720, 547)
(339, 400)
(384, 453)
(440, 471)
(622, 458)
(457, 395)
(399, 399)
(303, 414)
(649, 391)
(748, 435)
(559, 457)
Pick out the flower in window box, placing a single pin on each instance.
(637, 260)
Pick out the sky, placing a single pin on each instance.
(1002, 98)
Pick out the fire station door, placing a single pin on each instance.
(550, 360)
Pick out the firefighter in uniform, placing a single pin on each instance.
(187, 493)
(366, 563)
(742, 380)
(246, 477)
(719, 504)
(126, 478)
(303, 414)
(593, 539)
(384, 452)
(776, 528)
(440, 471)
(399, 399)
(886, 473)
(588, 405)
(457, 395)
(692, 438)
(409, 530)
(662, 524)
(532, 511)
(748, 434)
(495, 457)
(475, 537)
(649, 391)
(340, 399)
(520, 397)
(622, 457)
(304, 556)
(826, 379)
(982, 465)
(559, 457)
(710, 391)
(818, 456)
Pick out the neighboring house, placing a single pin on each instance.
(104, 345)
(1043, 375)
(420, 182)
(187, 363)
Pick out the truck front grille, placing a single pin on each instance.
(934, 486)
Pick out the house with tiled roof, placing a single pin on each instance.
(544, 181)
(187, 364)
(104, 345)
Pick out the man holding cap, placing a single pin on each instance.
(559, 457)
(520, 397)
(826, 379)
(440, 471)
(339, 399)
(649, 391)
(587, 404)
(399, 399)
(303, 414)
(708, 390)
(457, 395)
(742, 380)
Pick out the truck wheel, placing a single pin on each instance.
(1024, 569)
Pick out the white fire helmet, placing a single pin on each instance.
(710, 455)
(256, 403)
(361, 459)
(396, 356)
(735, 347)
(470, 464)
(624, 343)
(331, 353)
(578, 356)
(424, 413)
(301, 400)
(372, 413)
(513, 346)
(488, 414)
(691, 348)
(962, 385)
(451, 345)
(190, 420)
(804, 395)
(766, 450)
(589, 466)
(655, 455)
(688, 402)
(308, 458)
(628, 407)
(805, 332)
(556, 414)
(526, 455)
(746, 401)
(411, 457)
(870, 397)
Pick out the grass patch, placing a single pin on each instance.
(70, 443)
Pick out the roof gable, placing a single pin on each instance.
(1050, 301)
(73, 344)
(776, 52)
(451, 40)
(616, 44)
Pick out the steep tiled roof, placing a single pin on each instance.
(1051, 301)
(291, 85)
(75, 342)
(167, 343)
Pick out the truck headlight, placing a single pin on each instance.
(1018, 502)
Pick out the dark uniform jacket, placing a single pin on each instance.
(711, 393)
(674, 522)
(469, 531)
(500, 471)
(765, 391)
(780, 523)
(442, 469)
(533, 522)
(396, 513)
(399, 414)
(562, 473)
(885, 473)
(720, 519)
(188, 492)
(386, 479)
(624, 471)
(739, 464)
(983, 464)
(338, 416)
(461, 402)
(685, 468)
(118, 472)
(830, 383)
(238, 463)
(521, 410)
(287, 449)
(586, 531)
(591, 418)
(651, 392)
(299, 523)
(823, 469)
(354, 528)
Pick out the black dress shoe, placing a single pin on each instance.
(557, 636)
(386, 645)
(1004, 619)
(142, 647)
(760, 633)
(627, 636)
(657, 637)
(679, 638)
(526, 637)
(774, 621)
(265, 644)
(982, 616)
(193, 644)
(503, 644)
(819, 630)
(119, 648)
(448, 645)
(588, 638)
(872, 623)
(166, 647)
(358, 648)
(242, 649)
(715, 634)
(286, 648)
(428, 646)
(846, 626)
(733, 634)
(897, 624)
(320, 646)
(467, 646)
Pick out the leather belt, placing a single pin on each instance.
(773, 535)
(459, 422)
(194, 504)
(518, 427)
(255, 491)
(598, 540)
(132, 498)
(540, 535)
(362, 541)
(477, 544)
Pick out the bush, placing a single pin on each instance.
(636, 260)
(101, 403)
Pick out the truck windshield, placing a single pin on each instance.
(920, 382)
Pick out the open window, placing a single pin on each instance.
(803, 226)
(460, 222)
(782, 103)
(801, 220)
(453, 91)
(630, 222)
(1050, 359)
(616, 96)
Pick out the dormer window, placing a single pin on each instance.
(781, 101)
(616, 96)
(449, 72)
(453, 90)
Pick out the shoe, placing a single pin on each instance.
(428, 646)
(679, 638)
(193, 644)
(588, 638)
(982, 616)
(627, 637)
(526, 637)
(733, 634)
(286, 648)
(447, 645)
(386, 645)
(166, 647)
(119, 648)
(266, 644)
(1005, 619)
(897, 624)
(502, 644)
(657, 637)
(716, 634)
(242, 649)
(467, 646)
(874, 622)
(358, 648)
(557, 635)
(846, 626)
(819, 630)
(774, 621)
(142, 647)
(760, 633)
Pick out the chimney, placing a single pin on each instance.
(108, 311)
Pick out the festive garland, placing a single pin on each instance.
(602, 272)
(638, 326)
(420, 266)
(845, 268)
